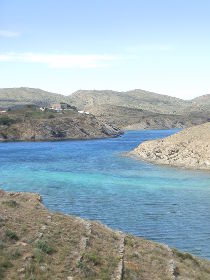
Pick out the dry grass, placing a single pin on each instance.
(38, 244)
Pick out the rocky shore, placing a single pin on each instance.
(189, 148)
(38, 244)
(53, 126)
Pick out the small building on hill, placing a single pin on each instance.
(43, 109)
(60, 106)
(2, 110)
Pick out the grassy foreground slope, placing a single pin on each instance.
(38, 244)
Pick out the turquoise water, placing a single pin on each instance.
(90, 179)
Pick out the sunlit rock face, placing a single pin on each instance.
(189, 148)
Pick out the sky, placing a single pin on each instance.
(66, 45)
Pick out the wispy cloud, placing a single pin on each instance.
(9, 34)
(60, 60)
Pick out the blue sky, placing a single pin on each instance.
(66, 45)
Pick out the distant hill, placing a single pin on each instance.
(140, 109)
(20, 96)
(85, 99)
(135, 109)
(139, 99)
(203, 100)
(132, 118)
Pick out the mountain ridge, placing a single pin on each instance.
(161, 111)
(144, 93)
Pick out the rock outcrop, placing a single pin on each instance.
(189, 148)
(38, 244)
(53, 126)
(134, 119)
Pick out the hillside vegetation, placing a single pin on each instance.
(23, 96)
(138, 99)
(38, 244)
(30, 124)
(203, 100)
(133, 118)
(136, 109)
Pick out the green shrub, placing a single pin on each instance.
(186, 256)
(12, 235)
(4, 265)
(28, 114)
(11, 203)
(129, 241)
(15, 254)
(45, 247)
(5, 120)
(38, 256)
(94, 258)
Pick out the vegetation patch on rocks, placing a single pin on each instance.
(38, 244)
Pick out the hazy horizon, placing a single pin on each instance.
(64, 46)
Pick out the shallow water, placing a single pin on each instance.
(90, 179)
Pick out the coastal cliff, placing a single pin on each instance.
(38, 244)
(33, 125)
(189, 148)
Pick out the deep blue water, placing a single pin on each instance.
(90, 179)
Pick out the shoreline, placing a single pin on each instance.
(53, 245)
(60, 140)
(178, 167)
(122, 132)
(188, 149)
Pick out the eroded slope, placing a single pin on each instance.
(189, 148)
(38, 244)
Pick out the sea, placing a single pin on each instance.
(94, 180)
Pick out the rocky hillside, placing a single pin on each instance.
(135, 109)
(202, 100)
(131, 118)
(33, 125)
(189, 148)
(139, 99)
(38, 244)
(139, 109)
(85, 99)
(22, 96)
